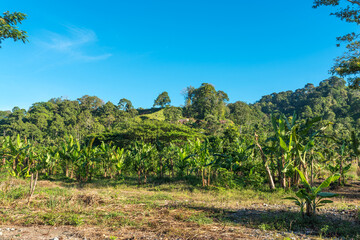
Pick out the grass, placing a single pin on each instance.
(157, 114)
(170, 209)
(200, 218)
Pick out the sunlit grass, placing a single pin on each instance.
(168, 206)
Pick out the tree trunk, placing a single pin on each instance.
(305, 171)
(202, 177)
(66, 171)
(309, 210)
(282, 174)
(268, 171)
(208, 182)
(32, 185)
(139, 177)
(312, 172)
(161, 168)
(341, 172)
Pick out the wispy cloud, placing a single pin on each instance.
(74, 44)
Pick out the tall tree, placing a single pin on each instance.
(9, 29)
(347, 65)
(125, 105)
(91, 103)
(205, 100)
(162, 100)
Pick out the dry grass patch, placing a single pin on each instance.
(126, 211)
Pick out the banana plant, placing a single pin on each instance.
(141, 158)
(69, 154)
(311, 198)
(108, 160)
(170, 154)
(285, 134)
(161, 163)
(47, 159)
(238, 152)
(203, 159)
(119, 157)
(85, 164)
(183, 160)
(18, 156)
(297, 142)
(4, 149)
(38, 160)
(340, 165)
(23, 161)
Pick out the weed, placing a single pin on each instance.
(264, 226)
(324, 230)
(52, 202)
(111, 215)
(161, 196)
(54, 219)
(55, 191)
(200, 218)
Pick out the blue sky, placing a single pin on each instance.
(136, 49)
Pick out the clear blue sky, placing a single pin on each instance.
(137, 49)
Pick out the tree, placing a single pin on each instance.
(204, 101)
(9, 29)
(172, 114)
(240, 113)
(125, 105)
(91, 103)
(347, 65)
(107, 114)
(162, 100)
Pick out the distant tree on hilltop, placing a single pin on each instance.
(162, 100)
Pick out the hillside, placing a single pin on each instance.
(46, 121)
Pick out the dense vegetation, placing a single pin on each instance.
(304, 141)
(209, 141)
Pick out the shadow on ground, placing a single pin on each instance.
(325, 223)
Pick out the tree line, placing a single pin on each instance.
(278, 133)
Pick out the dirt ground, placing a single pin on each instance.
(68, 232)
(166, 217)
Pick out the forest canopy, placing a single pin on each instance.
(206, 110)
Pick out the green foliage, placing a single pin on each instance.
(244, 115)
(200, 218)
(68, 218)
(19, 156)
(347, 65)
(150, 132)
(312, 198)
(86, 140)
(162, 100)
(172, 114)
(341, 163)
(155, 114)
(204, 101)
(9, 29)
(125, 105)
